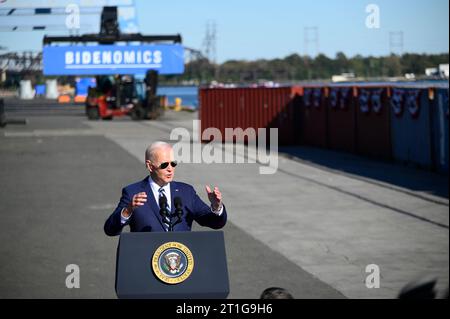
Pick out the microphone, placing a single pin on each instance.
(162, 204)
(178, 206)
(178, 209)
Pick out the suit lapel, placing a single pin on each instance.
(151, 201)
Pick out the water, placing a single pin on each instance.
(188, 94)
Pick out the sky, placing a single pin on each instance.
(267, 29)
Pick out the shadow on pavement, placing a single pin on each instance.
(410, 178)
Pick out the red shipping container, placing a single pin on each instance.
(373, 125)
(250, 108)
(313, 117)
(341, 119)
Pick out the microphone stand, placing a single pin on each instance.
(178, 214)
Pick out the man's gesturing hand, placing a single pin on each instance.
(215, 197)
(137, 200)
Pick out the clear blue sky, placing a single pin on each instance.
(252, 29)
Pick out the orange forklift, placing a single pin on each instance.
(122, 95)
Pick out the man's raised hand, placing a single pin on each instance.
(215, 197)
(138, 200)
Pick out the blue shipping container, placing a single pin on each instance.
(411, 126)
(440, 130)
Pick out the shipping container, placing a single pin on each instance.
(250, 108)
(440, 132)
(411, 126)
(373, 134)
(341, 119)
(313, 117)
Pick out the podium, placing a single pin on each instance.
(172, 265)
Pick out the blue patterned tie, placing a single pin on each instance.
(166, 219)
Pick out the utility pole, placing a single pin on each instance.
(396, 42)
(209, 44)
(311, 38)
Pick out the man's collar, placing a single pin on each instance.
(155, 186)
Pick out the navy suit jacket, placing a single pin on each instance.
(147, 218)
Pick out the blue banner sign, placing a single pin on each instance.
(113, 59)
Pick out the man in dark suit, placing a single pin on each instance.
(140, 208)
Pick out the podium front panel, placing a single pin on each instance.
(135, 277)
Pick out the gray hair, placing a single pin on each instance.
(152, 149)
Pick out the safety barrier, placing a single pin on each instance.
(64, 98)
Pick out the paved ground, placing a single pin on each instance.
(312, 227)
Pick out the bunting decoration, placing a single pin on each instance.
(375, 100)
(413, 102)
(364, 101)
(307, 97)
(334, 97)
(397, 101)
(317, 97)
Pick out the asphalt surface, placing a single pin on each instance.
(59, 183)
(311, 228)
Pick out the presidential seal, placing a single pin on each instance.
(172, 263)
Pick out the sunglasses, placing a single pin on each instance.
(166, 164)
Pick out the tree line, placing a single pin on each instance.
(303, 68)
